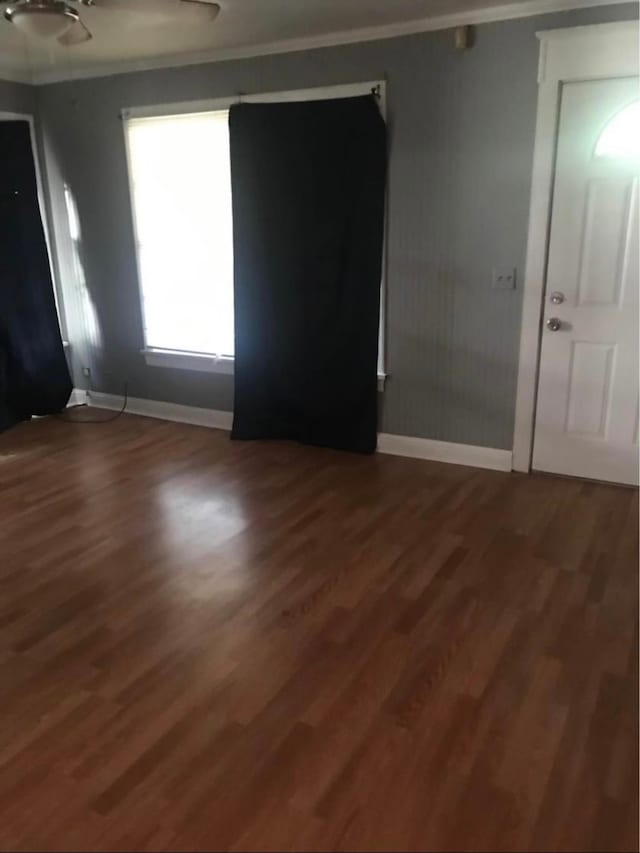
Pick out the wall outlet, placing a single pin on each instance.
(86, 371)
(504, 278)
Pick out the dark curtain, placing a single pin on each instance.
(34, 377)
(308, 185)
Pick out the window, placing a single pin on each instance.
(181, 192)
(621, 136)
(180, 175)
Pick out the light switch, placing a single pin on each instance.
(504, 278)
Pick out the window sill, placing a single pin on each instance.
(187, 361)
(202, 362)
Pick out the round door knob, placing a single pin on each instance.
(553, 324)
(557, 298)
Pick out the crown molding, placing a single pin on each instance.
(8, 76)
(486, 15)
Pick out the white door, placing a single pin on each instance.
(587, 409)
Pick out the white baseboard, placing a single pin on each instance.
(396, 445)
(445, 451)
(77, 398)
(164, 411)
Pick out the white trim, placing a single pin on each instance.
(445, 451)
(177, 108)
(395, 445)
(572, 54)
(202, 362)
(210, 418)
(316, 93)
(7, 75)
(487, 15)
(567, 34)
(78, 398)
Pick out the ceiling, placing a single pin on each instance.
(130, 39)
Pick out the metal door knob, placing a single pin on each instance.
(553, 324)
(557, 298)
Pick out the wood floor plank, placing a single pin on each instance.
(213, 645)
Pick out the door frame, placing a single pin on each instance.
(567, 55)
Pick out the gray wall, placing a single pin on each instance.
(16, 98)
(461, 134)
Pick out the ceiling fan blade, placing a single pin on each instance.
(200, 10)
(77, 34)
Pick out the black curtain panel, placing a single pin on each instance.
(308, 184)
(34, 377)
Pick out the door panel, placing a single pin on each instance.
(587, 409)
(592, 367)
(605, 240)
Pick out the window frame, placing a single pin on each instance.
(205, 362)
(157, 356)
(607, 155)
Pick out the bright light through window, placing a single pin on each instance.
(621, 137)
(181, 184)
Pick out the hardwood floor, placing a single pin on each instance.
(213, 645)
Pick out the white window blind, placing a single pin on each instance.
(181, 190)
